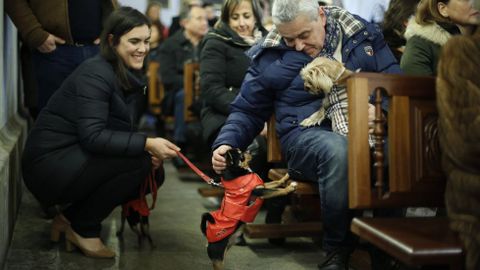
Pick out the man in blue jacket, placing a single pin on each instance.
(304, 30)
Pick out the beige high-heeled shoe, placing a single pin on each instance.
(59, 225)
(91, 247)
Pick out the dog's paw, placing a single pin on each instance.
(315, 119)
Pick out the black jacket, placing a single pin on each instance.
(223, 64)
(173, 53)
(90, 115)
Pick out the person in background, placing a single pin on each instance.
(176, 23)
(92, 157)
(395, 22)
(59, 35)
(156, 38)
(458, 103)
(434, 24)
(181, 47)
(272, 84)
(211, 16)
(153, 13)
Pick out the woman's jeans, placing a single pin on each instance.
(51, 69)
(321, 155)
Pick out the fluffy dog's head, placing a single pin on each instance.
(322, 73)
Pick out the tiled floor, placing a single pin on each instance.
(174, 225)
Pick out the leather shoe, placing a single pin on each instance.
(336, 260)
(59, 225)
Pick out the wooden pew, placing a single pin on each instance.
(301, 200)
(414, 176)
(191, 84)
(156, 92)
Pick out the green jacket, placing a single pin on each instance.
(423, 48)
(35, 19)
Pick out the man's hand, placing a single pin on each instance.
(50, 44)
(218, 160)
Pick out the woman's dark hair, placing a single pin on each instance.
(120, 22)
(398, 12)
(230, 5)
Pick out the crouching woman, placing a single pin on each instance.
(84, 149)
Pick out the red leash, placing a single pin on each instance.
(140, 205)
(202, 175)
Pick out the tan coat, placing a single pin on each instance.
(458, 100)
(35, 19)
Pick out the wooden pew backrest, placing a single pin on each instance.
(414, 172)
(156, 92)
(191, 87)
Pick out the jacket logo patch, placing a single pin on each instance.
(368, 50)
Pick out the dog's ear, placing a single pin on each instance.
(342, 80)
(229, 158)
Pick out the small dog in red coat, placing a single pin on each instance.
(244, 194)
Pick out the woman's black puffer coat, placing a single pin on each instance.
(90, 115)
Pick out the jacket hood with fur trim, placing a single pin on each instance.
(432, 32)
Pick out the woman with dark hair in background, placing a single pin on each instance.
(223, 62)
(395, 22)
(84, 149)
(153, 13)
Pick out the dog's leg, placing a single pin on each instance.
(279, 183)
(271, 193)
(122, 222)
(145, 228)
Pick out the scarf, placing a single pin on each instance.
(250, 40)
(332, 36)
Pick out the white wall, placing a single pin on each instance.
(165, 14)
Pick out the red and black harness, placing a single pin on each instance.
(238, 204)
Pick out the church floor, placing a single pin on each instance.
(174, 226)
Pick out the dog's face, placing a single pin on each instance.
(237, 159)
(322, 73)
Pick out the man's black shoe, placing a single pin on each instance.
(336, 260)
(240, 240)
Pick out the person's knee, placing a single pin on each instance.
(335, 150)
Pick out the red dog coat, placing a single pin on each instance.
(237, 205)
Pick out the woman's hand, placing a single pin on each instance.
(218, 160)
(156, 163)
(161, 148)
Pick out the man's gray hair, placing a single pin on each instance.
(284, 11)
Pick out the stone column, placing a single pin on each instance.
(13, 130)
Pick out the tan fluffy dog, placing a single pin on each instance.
(320, 76)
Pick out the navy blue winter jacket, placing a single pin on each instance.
(273, 84)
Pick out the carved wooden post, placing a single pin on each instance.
(378, 135)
